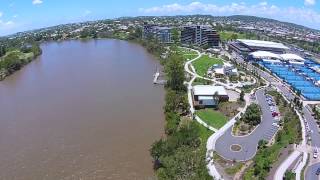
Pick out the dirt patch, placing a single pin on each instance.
(230, 109)
(235, 147)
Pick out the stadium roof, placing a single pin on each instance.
(288, 57)
(264, 54)
(267, 44)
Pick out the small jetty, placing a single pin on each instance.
(156, 78)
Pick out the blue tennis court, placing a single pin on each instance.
(300, 77)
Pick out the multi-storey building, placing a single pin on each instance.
(200, 36)
(162, 34)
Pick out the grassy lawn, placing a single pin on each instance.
(227, 35)
(26, 55)
(234, 169)
(20, 54)
(212, 118)
(204, 63)
(187, 54)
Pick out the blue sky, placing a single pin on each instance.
(21, 15)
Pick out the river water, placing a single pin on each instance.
(83, 109)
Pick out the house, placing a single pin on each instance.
(208, 95)
(219, 71)
(230, 70)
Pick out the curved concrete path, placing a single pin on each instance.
(248, 143)
(282, 169)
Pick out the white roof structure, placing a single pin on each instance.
(265, 55)
(289, 57)
(208, 90)
(267, 44)
(272, 61)
(296, 62)
(219, 70)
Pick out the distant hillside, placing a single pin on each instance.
(242, 18)
(255, 18)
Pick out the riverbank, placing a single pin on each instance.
(16, 59)
(181, 154)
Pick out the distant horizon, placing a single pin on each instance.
(54, 25)
(19, 16)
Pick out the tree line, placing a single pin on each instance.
(14, 60)
(181, 154)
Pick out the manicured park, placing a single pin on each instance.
(204, 63)
(187, 54)
(212, 118)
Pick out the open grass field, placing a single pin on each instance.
(212, 118)
(204, 63)
(187, 54)
(227, 35)
(21, 55)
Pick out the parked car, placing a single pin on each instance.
(275, 125)
(318, 172)
(315, 153)
(274, 114)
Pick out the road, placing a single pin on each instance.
(248, 143)
(311, 172)
(314, 131)
(315, 136)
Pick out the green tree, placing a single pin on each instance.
(2, 50)
(241, 96)
(175, 73)
(175, 35)
(234, 36)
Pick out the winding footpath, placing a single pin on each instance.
(189, 68)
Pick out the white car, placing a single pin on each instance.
(275, 125)
(315, 155)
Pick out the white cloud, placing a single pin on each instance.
(309, 2)
(35, 2)
(15, 16)
(1, 14)
(304, 16)
(265, 3)
(6, 24)
(86, 13)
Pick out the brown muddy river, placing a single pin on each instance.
(82, 110)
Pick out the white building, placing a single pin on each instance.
(219, 71)
(208, 95)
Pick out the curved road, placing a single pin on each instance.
(248, 143)
(311, 172)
